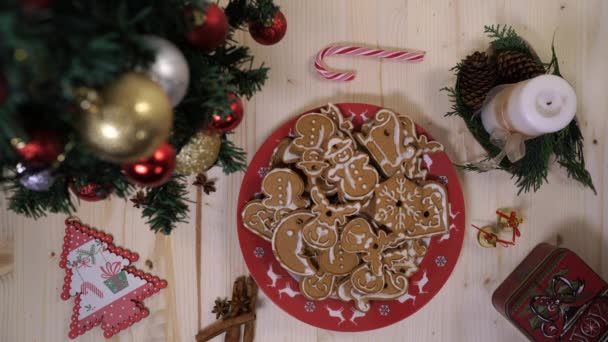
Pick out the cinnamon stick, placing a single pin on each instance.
(222, 325)
(238, 296)
(252, 294)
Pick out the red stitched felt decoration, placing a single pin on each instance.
(107, 291)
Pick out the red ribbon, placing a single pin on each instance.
(111, 269)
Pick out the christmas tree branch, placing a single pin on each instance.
(166, 205)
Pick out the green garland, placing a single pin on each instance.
(46, 53)
(531, 171)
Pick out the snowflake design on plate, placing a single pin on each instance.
(259, 252)
(443, 180)
(310, 307)
(441, 261)
(263, 171)
(384, 310)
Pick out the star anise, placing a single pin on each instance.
(207, 184)
(139, 199)
(221, 308)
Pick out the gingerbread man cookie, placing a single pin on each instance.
(312, 132)
(283, 189)
(288, 245)
(336, 261)
(356, 179)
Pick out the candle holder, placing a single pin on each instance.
(509, 60)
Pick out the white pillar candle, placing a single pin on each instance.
(537, 106)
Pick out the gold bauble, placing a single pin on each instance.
(130, 119)
(199, 154)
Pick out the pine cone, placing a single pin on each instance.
(515, 66)
(476, 77)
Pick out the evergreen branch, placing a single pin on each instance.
(553, 66)
(569, 153)
(505, 38)
(166, 205)
(231, 158)
(36, 204)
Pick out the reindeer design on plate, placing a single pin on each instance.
(356, 314)
(273, 276)
(288, 291)
(422, 283)
(336, 314)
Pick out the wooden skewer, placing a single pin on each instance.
(222, 325)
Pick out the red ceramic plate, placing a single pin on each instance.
(332, 314)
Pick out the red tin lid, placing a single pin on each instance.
(553, 295)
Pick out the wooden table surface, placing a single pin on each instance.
(201, 259)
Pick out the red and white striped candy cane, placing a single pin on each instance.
(404, 55)
(87, 286)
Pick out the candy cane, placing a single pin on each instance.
(404, 55)
(86, 287)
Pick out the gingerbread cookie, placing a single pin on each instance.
(404, 206)
(412, 168)
(318, 286)
(350, 169)
(345, 126)
(312, 132)
(372, 209)
(322, 232)
(395, 286)
(390, 140)
(283, 189)
(288, 245)
(259, 219)
(312, 163)
(278, 157)
(336, 261)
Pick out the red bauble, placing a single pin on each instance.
(154, 170)
(229, 122)
(92, 192)
(209, 27)
(43, 147)
(269, 34)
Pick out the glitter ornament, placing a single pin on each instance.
(199, 154)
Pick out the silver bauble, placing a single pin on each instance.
(169, 69)
(35, 180)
